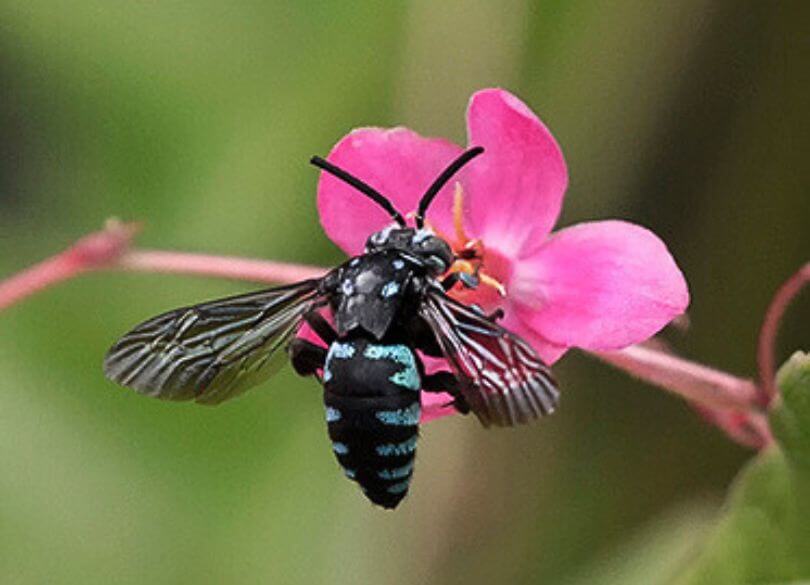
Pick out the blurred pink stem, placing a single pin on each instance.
(731, 403)
(766, 359)
(92, 252)
(33, 279)
(695, 382)
(218, 266)
(109, 249)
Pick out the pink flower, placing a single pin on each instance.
(598, 285)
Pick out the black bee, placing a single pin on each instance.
(386, 303)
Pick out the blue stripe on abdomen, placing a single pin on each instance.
(407, 378)
(397, 472)
(399, 488)
(401, 417)
(408, 374)
(397, 449)
(340, 448)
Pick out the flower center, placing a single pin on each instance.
(491, 269)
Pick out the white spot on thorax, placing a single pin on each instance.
(389, 290)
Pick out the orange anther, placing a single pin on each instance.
(469, 268)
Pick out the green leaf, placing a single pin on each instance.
(791, 421)
(763, 535)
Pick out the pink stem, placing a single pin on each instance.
(731, 403)
(697, 383)
(746, 428)
(109, 249)
(219, 266)
(94, 251)
(33, 279)
(766, 354)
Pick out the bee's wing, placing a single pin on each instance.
(502, 378)
(213, 351)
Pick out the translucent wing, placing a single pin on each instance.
(502, 378)
(213, 351)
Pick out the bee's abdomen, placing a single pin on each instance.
(375, 443)
(372, 412)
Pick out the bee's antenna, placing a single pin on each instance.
(365, 189)
(441, 181)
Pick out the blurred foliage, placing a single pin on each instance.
(764, 536)
(198, 119)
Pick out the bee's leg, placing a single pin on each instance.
(422, 338)
(450, 281)
(469, 281)
(321, 326)
(306, 357)
(493, 316)
(446, 382)
(465, 278)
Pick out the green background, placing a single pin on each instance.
(198, 119)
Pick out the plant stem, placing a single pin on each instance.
(731, 403)
(95, 251)
(109, 249)
(766, 359)
(218, 266)
(695, 382)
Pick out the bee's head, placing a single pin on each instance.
(434, 252)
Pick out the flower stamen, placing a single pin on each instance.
(458, 215)
(493, 282)
(469, 251)
(474, 269)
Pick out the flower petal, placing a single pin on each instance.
(397, 162)
(548, 351)
(600, 285)
(515, 189)
(436, 405)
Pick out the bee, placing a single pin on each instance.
(389, 306)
